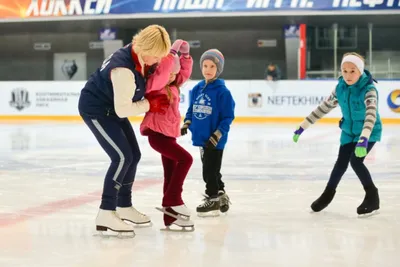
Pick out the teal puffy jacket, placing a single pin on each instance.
(351, 100)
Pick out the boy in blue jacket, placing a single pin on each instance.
(209, 116)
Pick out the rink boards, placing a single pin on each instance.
(256, 100)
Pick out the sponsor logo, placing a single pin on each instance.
(69, 68)
(391, 100)
(67, 8)
(255, 100)
(20, 98)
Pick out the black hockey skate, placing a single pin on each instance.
(324, 200)
(370, 203)
(210, 207)
(223, 201)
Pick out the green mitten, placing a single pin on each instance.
(361, 147)
(297, 134)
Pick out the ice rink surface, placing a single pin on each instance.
(51, 177)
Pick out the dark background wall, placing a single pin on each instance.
(235, 37)
(19, 61)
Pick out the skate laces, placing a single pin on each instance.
(139, 213)
(205, 197)
(225, 199)
(207, 202)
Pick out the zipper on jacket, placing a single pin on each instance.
(348, 103)
(204, 87)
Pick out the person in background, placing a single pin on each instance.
(272, 73)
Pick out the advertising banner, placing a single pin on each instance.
(40, 98)
(22, 9)
(253, 98)
(69, 66)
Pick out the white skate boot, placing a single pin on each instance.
(109, 220)
(132, 215)
(181, 214)
(182, 210)
(186, 226)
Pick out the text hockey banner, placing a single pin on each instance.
(23, 9)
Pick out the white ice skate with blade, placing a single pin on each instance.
(181, 214)
(109, 220)
(186, 226)
(132, 215)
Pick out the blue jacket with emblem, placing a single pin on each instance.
(97, 96)
(351, 100)
(211, 108)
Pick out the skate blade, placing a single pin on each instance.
(183, 229)
(110, 233)
(214, 213)
(120, 235)
(367, 215)
(178, 217)
(140, 224)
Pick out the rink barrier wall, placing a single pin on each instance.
(257, 101)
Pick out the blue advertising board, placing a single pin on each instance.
(107, 34)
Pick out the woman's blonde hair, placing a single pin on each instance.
(152, 41)
(355, 54)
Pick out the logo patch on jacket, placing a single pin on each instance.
(202, 107)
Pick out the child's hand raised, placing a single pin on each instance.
(176, 46)
(185, 48)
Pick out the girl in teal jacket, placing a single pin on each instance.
(361, 128)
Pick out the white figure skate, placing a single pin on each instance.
(109, 220)
(182, 215)
(132, 215)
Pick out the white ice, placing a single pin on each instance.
(51, 175)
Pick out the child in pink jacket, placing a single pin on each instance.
(163, 129)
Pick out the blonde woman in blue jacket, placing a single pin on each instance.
(361, 128)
